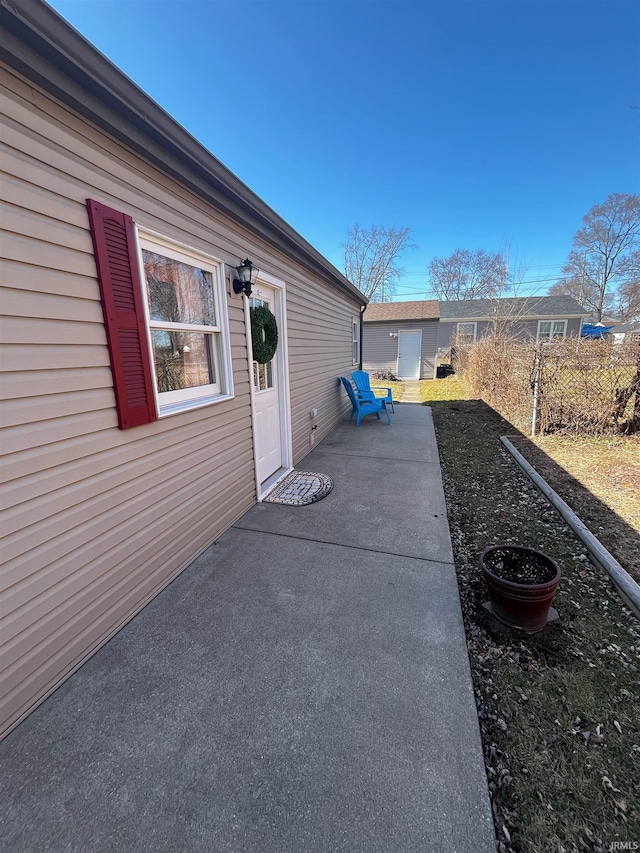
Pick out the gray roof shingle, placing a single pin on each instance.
(424, 309)
(521, 306)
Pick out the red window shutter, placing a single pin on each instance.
(114, 246)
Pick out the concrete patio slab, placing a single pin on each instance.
(406, 443)
(285, 694)
(412, 413)
(279, 696)
(384, 505)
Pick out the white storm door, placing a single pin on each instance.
(266, 412)
(409, 346)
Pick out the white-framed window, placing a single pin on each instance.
(550, 329)
(466, 333)
(355, 337)
(187, 323)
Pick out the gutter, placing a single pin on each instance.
(627, 588)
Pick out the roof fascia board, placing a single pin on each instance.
(46, 50)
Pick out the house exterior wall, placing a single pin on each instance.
(574, 327)
(380, 350)
(97, 520)
(521, 330)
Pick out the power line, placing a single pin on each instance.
(527, 269)
(518, 285)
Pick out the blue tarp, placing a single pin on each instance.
(589, 331)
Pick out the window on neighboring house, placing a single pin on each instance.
(549, 329)
(355, 325)
(187, 326)
(466, 333)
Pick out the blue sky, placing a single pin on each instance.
(479, 124)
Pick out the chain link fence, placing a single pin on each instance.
(579, 385)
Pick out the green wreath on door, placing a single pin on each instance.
(264, 334)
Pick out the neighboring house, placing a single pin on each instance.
(401, 337)
(136, 428)
(525, 318)
(626, 332)
(406, 338)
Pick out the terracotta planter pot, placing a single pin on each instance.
(525, 601)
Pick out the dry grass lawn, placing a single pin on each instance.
(608, 467)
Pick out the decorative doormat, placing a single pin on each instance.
(299, 488)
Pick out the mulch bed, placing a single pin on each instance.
(559, 711)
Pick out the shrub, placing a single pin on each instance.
(585, 386)
(384, 376)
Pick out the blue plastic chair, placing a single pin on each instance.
(363, 407)
(363, 385)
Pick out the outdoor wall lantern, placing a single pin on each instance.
(247, 275)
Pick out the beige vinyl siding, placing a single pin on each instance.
(97, 520)
(320, 351)
(380, 350)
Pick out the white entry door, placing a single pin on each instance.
(266, 412)
(409, 347)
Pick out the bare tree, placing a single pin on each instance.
(627, 295)
(602, 249)
(370, 259)
(507, 313)
(469, 274)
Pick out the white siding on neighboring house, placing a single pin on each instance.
(380, 347)
(97, 520)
